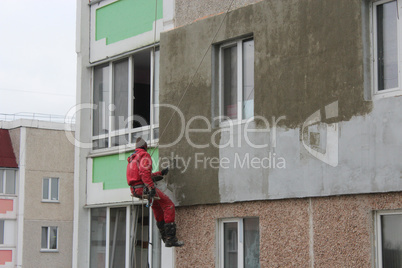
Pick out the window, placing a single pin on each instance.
(239, 243)
(386, 43)
(125, 97)
(7, 181)
(1, 232)
(236, 82)
(119, 237)
(50, 191)
(49, 238)
(389, 239)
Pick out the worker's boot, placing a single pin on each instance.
(171, 239)
(162, 231)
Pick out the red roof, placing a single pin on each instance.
(7, 157)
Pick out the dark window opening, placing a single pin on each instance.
(142, 89)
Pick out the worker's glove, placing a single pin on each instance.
(152, 193)
(165, 171)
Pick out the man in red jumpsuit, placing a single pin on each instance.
(139, 177)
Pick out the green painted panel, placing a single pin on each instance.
(111, 169)
(126, 18)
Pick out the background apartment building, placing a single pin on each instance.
(37, 191)
(279, 120)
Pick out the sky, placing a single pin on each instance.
(37, 56)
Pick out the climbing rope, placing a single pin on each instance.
(150, 202)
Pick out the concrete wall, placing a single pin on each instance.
(48, 154)
(309, 232)
(310, 63)
(187, 11)
(33, 257)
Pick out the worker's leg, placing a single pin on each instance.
(169, 215)
(158, 212)
(160, 222)
(166, 206)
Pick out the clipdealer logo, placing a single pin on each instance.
(318, 135)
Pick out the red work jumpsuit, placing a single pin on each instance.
(139, 170)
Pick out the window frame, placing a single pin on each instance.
(378, 233)
(239, 102)
(48, 249)
(241, 239)
(3, 172)
(2, 225)
(379, 94)
(49, 200)
(130, 226)
(115, 133)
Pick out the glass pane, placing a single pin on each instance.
(117, 233)
(230, 244)
(156, 88)
(1, 231)
(101, 100)
(120, 140)
(100, 144)
(391, 232)
(230, 82)
(142, 89)
(141, 239)
(251, 243)
(387, 42)
(45, 189)
(120, 94)
(248, 79)
(146, 135)
(55, 189)
(53, 238)
(44, 238)
(98, 237)
(1, 181)
(10, 181)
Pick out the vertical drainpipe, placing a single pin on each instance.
(21, 197)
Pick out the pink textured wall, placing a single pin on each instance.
(331, 232)
(6, 205)
(5, 256)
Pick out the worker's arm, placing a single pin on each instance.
(156, 174)
(145, 169)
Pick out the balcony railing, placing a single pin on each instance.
(38, 116)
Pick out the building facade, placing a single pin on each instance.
(37, 195)
(279, 122)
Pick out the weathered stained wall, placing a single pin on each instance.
(187, 11)
(317, 232)
(309, 55)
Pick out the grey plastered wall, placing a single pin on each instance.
(308, 55)
(34, 258)
(187, 11)
(48, 154)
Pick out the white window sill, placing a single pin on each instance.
(120, 149)
(51, 201)
(7, 195)
(387, 94)
(49, 251)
